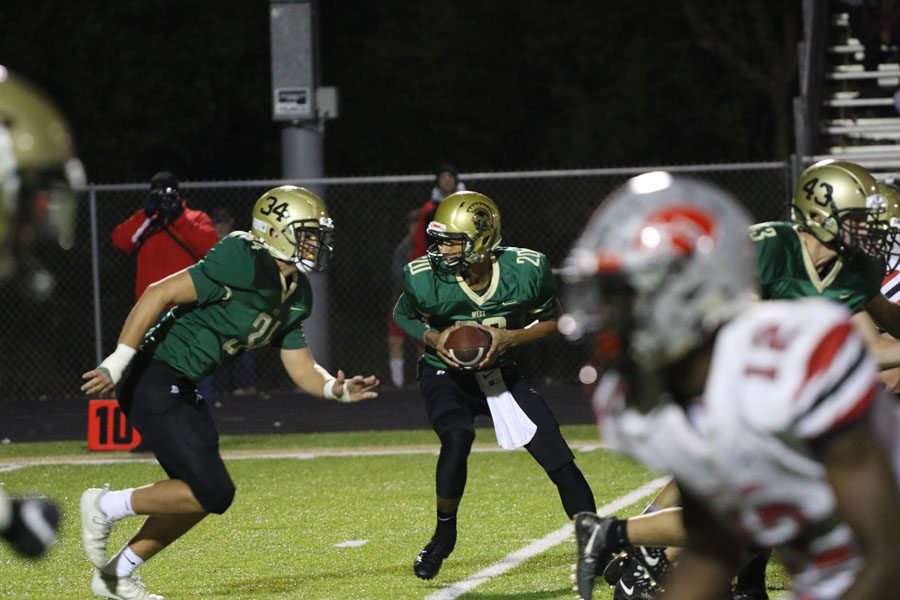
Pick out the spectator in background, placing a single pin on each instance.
(223, 221)
(166, 234)
(396, 337)
(446, 182)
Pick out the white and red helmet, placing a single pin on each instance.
(663, 261)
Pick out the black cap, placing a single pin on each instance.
(162, 180)
(447, 168)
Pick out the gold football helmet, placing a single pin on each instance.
(838, 202)
(40, 177)
(467, 217)
(293, 225)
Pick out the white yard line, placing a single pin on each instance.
(239, 455)
(542, 545)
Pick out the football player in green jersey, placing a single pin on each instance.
(468, 278)
(834, 247)
(249, 291)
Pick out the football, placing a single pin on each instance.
(467, 345)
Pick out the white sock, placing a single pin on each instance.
(123, 563)
(397, 371)
(117, 505)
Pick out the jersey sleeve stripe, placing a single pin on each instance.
(840, 400)
(890, 287)
(830, 391)
(858, 409)
(825, 352)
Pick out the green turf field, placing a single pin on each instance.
(343, 517)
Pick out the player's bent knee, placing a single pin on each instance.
(217, 501)
(457, 440)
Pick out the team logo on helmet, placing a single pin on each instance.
(481, 215)
(679, 230)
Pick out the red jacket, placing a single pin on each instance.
(160, 255)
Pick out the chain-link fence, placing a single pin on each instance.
(47, 343)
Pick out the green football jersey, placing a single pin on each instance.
(521, 291)
(243, 302)
(785, 270)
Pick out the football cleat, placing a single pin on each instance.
(616, 567)
(95, 527)
(636, 584)
(590, 537)
(33, 524)
(430, 559)
(121, 588)
(654, 560)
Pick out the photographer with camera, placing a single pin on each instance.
(167, 235)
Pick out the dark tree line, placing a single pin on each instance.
(507, 84)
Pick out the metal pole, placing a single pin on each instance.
(95, 269)
(294, 48)
(301, 158)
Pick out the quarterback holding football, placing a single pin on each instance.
(467, 278)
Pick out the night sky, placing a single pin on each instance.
(501, 85)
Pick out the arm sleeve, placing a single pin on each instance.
(546, 302)
(291, 339)
(123, 234)
(408, 315)
(407, 318)
(766, 263)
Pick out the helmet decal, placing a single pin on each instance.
(682, 228)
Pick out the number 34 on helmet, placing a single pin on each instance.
(292, 223)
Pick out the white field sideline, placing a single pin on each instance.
(14, 464)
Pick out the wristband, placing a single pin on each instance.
(328, 391)
(114, 364)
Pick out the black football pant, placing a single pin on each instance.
(453, 399)
(176, 425)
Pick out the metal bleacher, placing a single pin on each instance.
(858, 119)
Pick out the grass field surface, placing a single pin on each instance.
(329, 516)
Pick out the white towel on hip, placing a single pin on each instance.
(513, 427)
